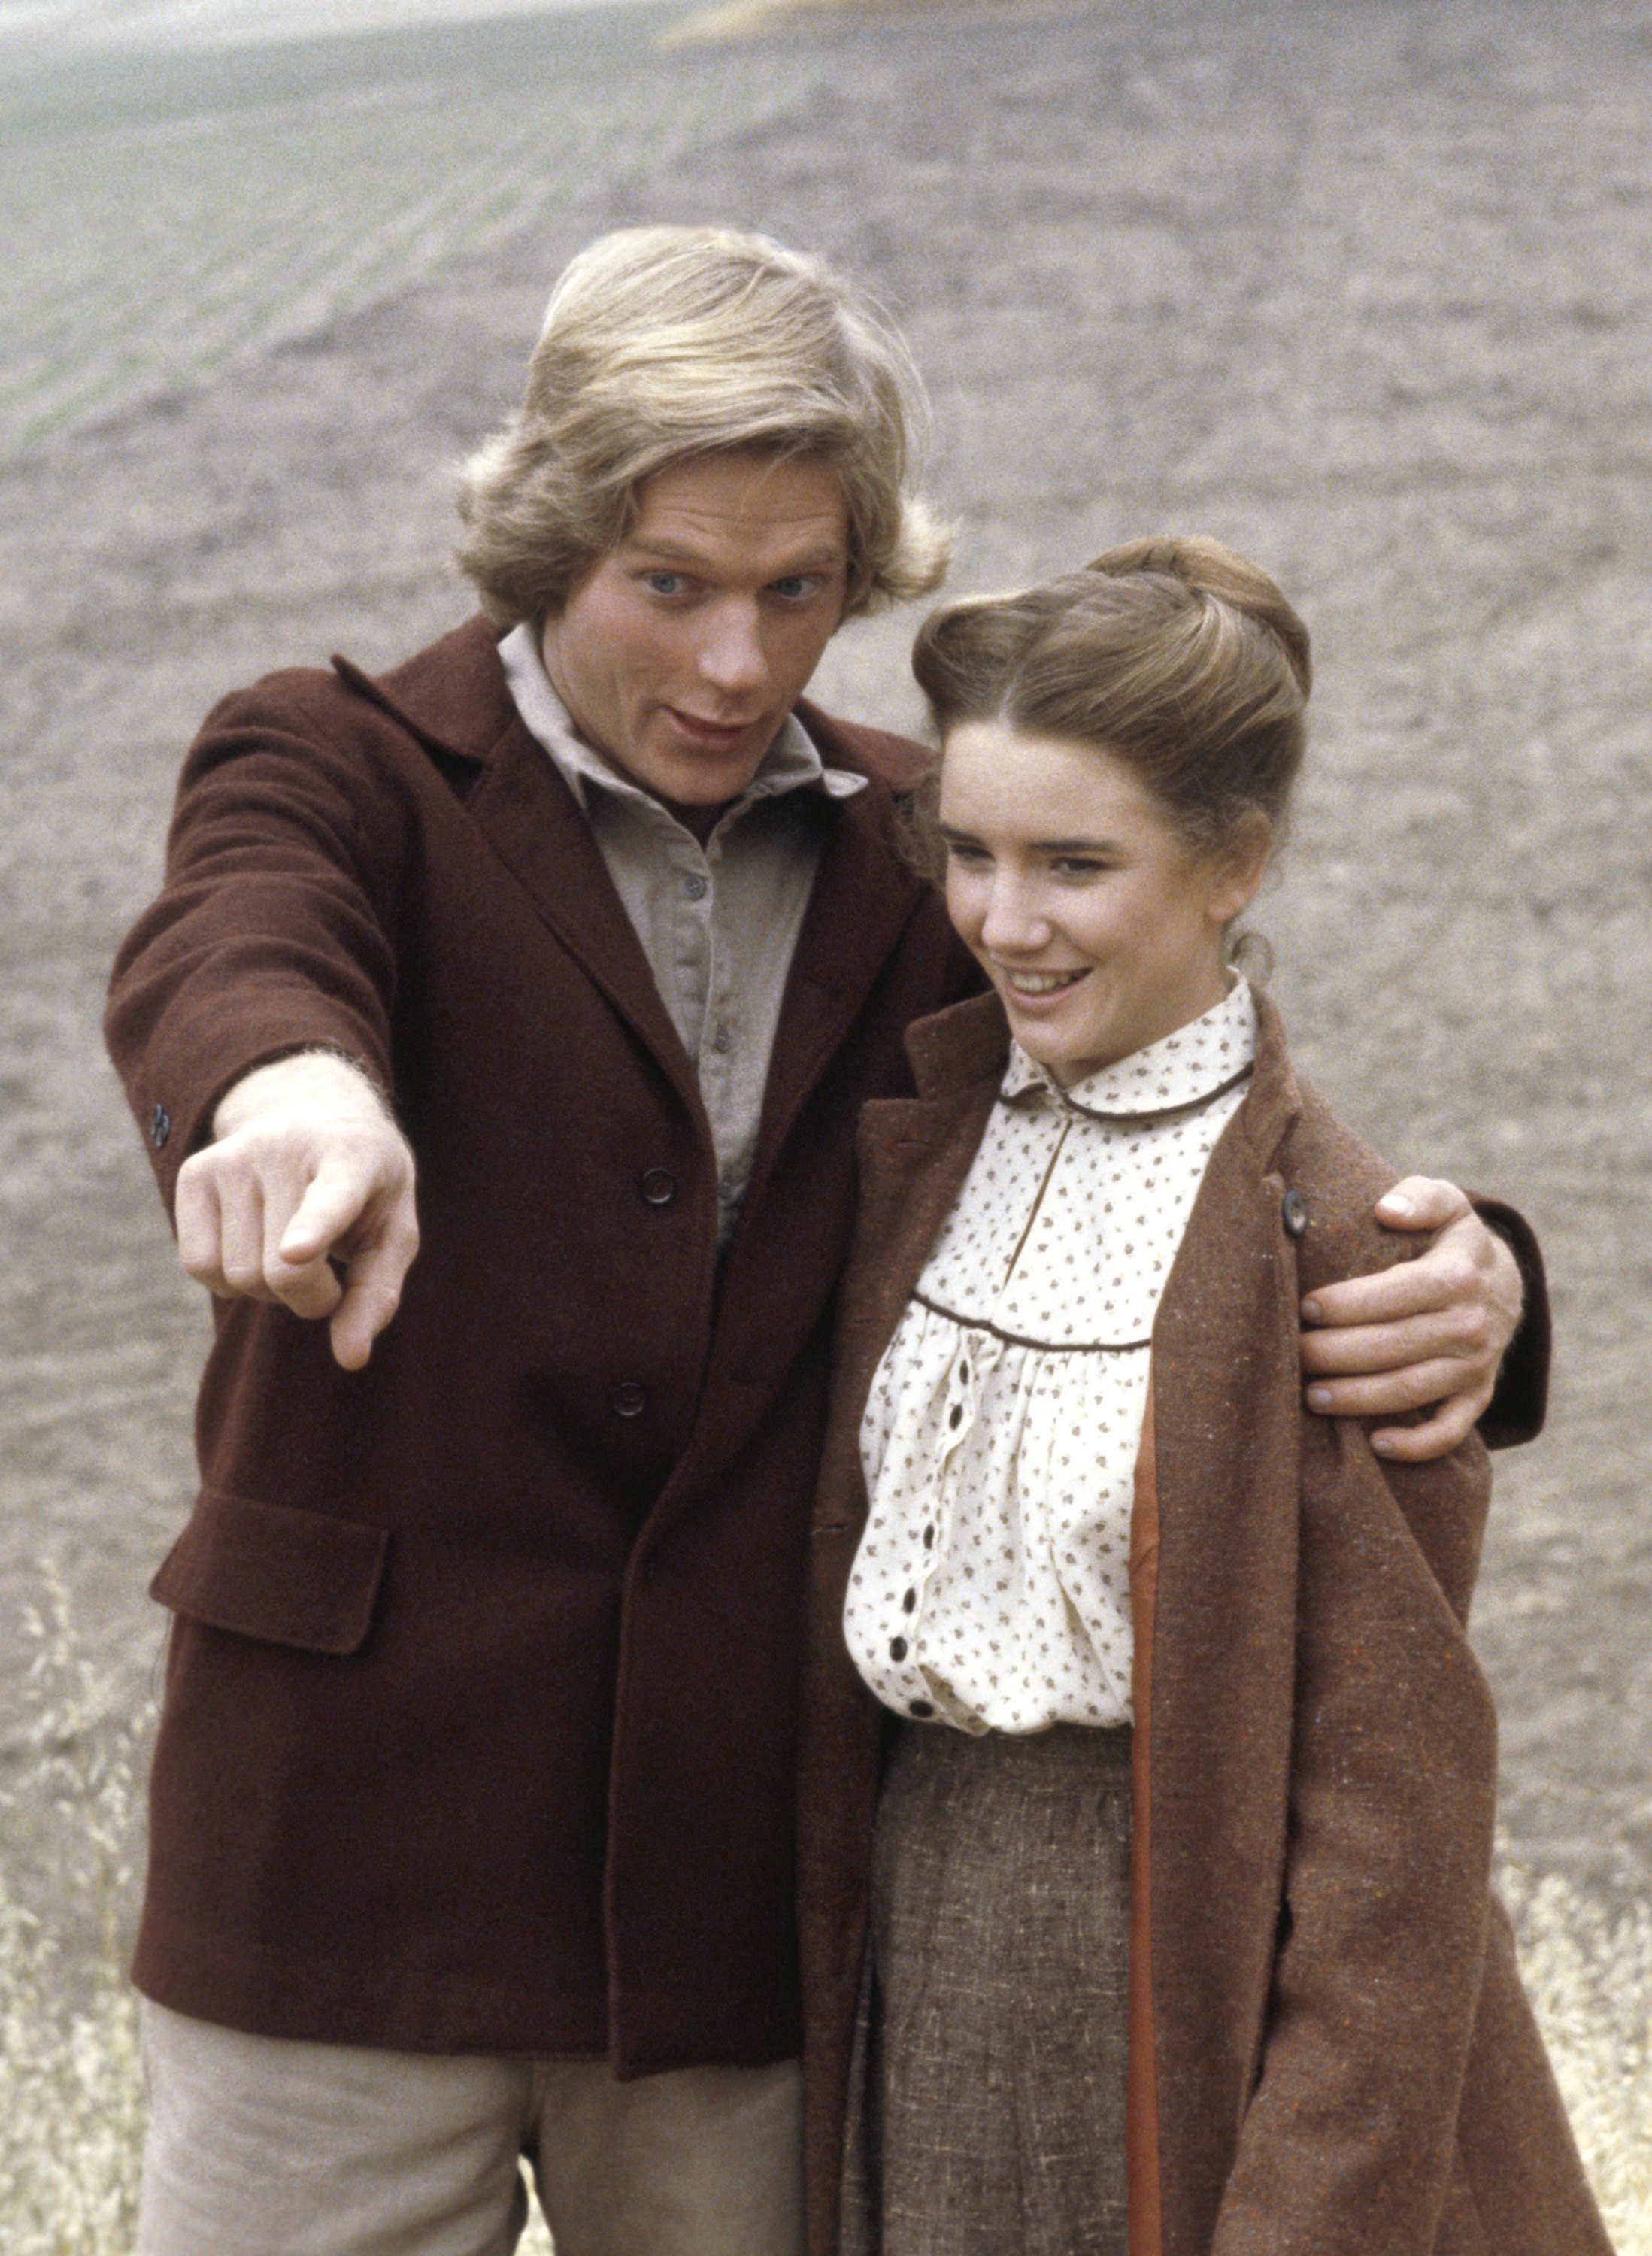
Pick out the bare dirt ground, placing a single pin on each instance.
(1362, 288)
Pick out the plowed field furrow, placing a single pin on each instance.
(149, 254)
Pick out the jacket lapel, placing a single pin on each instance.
(454, 700)
(529, 817)
(864, 899)
(1222, 1622)
(914, 1153)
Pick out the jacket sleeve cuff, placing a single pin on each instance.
(173, 1101)
(1520, 1405)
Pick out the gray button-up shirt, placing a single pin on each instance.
(717, 924)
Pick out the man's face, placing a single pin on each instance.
(681, 654)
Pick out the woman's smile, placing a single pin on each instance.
(1100, 926)
(1041, 982)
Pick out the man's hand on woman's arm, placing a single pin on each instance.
(307, 1175)
(1428, 1333)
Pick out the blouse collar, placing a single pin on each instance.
(1190, 1067)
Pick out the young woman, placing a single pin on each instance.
(1148, 1773)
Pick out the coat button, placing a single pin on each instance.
(629, 1400)
(658, 1186)
(1294, 1214)
(160, 1127)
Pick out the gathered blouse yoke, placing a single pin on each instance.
(991, 1590)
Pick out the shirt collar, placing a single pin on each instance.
(792, 763)
(1187, 1067)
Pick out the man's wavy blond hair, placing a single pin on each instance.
(663, 343)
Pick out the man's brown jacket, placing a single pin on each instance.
(480, 1715)
(1329, 2051)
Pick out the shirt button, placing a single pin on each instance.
(722, 1042)
(897, 1648)
(160, 1127)
(695, 887)
(658, 1186)
(629, 1400)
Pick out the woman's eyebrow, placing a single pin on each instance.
(1074, 846)
(1037, 845)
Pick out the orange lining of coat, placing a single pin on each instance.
(1141, 2101)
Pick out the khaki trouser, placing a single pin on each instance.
(260, 2146)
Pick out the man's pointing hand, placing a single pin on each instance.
(307, 1174)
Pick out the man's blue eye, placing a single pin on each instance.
(794, 585)
(665, 584)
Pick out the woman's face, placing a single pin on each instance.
(1099, 927)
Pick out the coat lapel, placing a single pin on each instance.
(454, 699)
(914, 1153)
(529, 817)
(863, 900)
(1222, 1627)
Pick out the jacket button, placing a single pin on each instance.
(657, 1186)
(629, 1400)
(160, 1127)
(1294, 1214)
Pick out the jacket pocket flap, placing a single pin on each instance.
(266, 1570)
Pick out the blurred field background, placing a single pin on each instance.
(1364, 288)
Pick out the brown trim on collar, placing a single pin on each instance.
(1164, 1112)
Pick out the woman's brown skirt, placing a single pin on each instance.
(987, 2095)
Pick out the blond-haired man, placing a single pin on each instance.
(566, 952)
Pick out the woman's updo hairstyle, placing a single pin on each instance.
(1179, 658)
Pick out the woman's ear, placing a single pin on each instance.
(1238, 867)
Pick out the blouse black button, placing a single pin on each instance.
(928, 1537)
(629, 1400)
(897, 1648)
(1294, 1214)
(955, 1416)
(922, 1710)
(908, 1602)
(657, 1186)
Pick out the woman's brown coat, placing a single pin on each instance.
(1329, 2050)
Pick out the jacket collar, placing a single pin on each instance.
(452, 695)
(454, 699)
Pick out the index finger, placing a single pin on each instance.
(333, 1203)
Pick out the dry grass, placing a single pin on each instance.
(71, 2098)
(1589, 1977)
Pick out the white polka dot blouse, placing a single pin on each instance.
(990, 1591)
